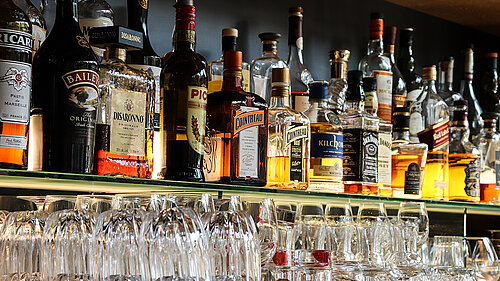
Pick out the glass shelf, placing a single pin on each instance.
(58, 182)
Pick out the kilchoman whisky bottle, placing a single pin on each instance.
(376, 65)
(464, 157)
(445, 85)
(289, 138)
(326, 141)
(360, 130)
(94, 13)
(429, 123)
(406, 64)
(39, 28)
(338, 80)
(65, 81)
(467, 92)
(15, 85)
(236, 143)
(398, 83)
(124, 129)
(487, 87)
(216, 68)
(408, 158)
(300, 77)
(147, 60)
(261, 67)
(183, 83)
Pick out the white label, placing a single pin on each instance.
(384, 158)
(384, 94)
(301, 103)
(87, 23)
(128, 122)
(17, 142)
(300, 43)
(413, 95)
(259, 85)
(245, 81)
(15, 87)
(196, 117)
(39, 35)
(248, 149)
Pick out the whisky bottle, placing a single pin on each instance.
(467, 92)
(216, 68)
(360, 130)
(289, 137)
(183, 83)
(408, 158)
(300, 77)
(338, 80)
(326, 141)
(445, 85)
(65, 66)
(15, 85)
(398, 83)
(488, 95)
(464, 158)
(261, 67)
(406, 64)
(376, 65)
(236, 143)
(429, 124)
(147, 60)
(124, 127)
(94, 13)
(39, 28)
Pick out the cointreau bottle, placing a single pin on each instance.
(236, 145)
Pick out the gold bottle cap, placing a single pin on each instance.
(231, 32)
(429, 73)
(280, 81)
(340, 55)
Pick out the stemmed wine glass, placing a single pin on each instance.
(483, 258)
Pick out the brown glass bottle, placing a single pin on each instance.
(236, 146)
(183, 83)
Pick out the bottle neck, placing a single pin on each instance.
(138, 16)
(294, 55)
(401, 135)
(406, 62)
(459, 132)
(375, 46)
(280, 100)
(184, 32)
(67, 15)
(295, 39)
(115, 54)
(429, 86)
(269, 48)
(446, 79)
(232, 81)
(339, 70)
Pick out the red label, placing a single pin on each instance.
(436, 136)
(244, 120)
(81, 77)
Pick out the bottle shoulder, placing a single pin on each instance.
(65, 50)
(32, 12)
(181, 63)
(372, 62)
(95, 9)
(288, 114)
(14, 18)
(240, 98)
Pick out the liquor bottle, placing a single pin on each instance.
(300, 77)
(376, 65)
(371, 101)
(48, 11)
(236, 145)
(408, 158)
(467, 92)
(65, 66)
(261, 67)
(406, 64)
(124, 129)
(39, 27)
(147, 60)
(360, 131)
(94, 13)
(183, 84)
(429, 124)
(338, 80)
(488, 86)
(326, 141)
(289, 137)
(398, 83)
(445, 85)
(216, 68)
(464, 158)
(15, 85)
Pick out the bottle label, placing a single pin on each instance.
(295, 136)
(330, 146)
(245, 81)
(384, 158)
(128, 122)
(472, 173)
(246, 123)
(360, 155)
(384, 94)
(497, 166)
(196, 117)
(16, 142)
(412, 179)
(39, 35)
(215, 83)
(87, 23)
(16, 39)
(300, 101)
(155, 72)
(435, 136)
(398, 100)
(15, 88)
(371, 101)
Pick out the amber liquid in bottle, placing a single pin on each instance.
(436, 169)
(460, 170)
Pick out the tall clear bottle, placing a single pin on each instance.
(326, 141)
(289, 138)
(300, 77)
(467, 92)
(445, 85)
(94, 13)
(488, 95)
(338, 80)
(261, 67)
(406, 64)
(398, 83)
(429, 124)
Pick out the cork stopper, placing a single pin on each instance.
(230, 32)
(446, 65)
(390, 38)
(429, 73)
(469, 61)
(280, 82)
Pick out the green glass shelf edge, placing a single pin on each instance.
(19, 179)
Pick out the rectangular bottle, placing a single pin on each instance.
(236, 143)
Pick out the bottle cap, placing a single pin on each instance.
(376, 26)
(369, 84)
(354, 90)
(429, 73)
(354, 76)
(269, 36)
(376, 16)
(469, 62)
(232, 63)
(318, 90)
(280, 78)
(339, 55)
(491, 116)
(491, 55)
(401, 119)
(229, 39)
(295, 12)
(459, 115)
(233, 32)
(406, 36)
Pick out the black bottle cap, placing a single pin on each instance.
(354, 86)
(406, 36)
(116, 36)
(318, 90)
(401, 118)
(377, 16)
(491, 60)
(269, 36)
(369, 84)
(354, 76)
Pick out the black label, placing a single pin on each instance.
(295, 137)
(16, 39)
(472, 179)
(412, 179)
(360, 155)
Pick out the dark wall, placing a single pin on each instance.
(328, 24)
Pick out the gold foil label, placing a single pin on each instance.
(196, 117)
